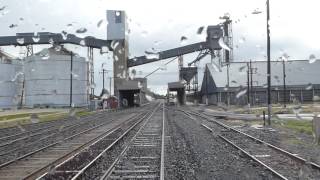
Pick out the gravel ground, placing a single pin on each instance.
(194, 153)
(290, 140)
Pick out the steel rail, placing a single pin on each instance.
(51, 145)
(248, 154)
(162, 145)
(59, 162)
(66, 128)
(109, 170)
(296, 157)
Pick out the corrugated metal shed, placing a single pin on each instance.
(298, 72)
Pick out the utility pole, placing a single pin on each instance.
(268, 64)
(71, 74)
(207, 74)
(251, 83)
(228, 84)
(284, 83)
(248, 85)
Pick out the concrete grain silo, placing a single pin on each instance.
(48, 80)
(11, 77)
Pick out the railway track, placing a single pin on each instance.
(16, 148)
(280, 162)
(38, 159)
(136, 149)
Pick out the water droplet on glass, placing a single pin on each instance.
(20, 40)
(16, 76)
(144, 33)
(116, 58)
(74, 75)
(36, 37)
(309, 86)
(183, 40)
(21, 128)
(81, 30)
(55, 92)
(242, 40)
(312, 58)
(242, 68)
(82, 42)
(285, 56)
(3, 8)
(104, 49)
(93, 85)
(21, 19)
(223, 44)
(216, 67)
(34, 118)
(241, 93)
(13, 26)
(57, 48)
(101, 23)
(256, 11)
(151, 55)
(233, 81)
(316, 98)
(276, 77)
(51, 41)
(114, 44)
(64, 35)
(45, 54)
(296, 109)
(163, 67)
(200, 30)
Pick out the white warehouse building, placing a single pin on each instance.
(48, 80)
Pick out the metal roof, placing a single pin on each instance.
(298, 72)
(129, 85)
(173, 86)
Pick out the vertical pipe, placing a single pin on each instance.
(110, 85)
(22, 92)
(284, 84)
(268, 64)
(251, 84)
(71, 67)
(228, 83)
(103, 70)
(248, 85)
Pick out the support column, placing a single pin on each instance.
(120, 68)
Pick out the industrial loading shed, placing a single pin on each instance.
(302, 82)
(49, 79)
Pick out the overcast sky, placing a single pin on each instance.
(161, 23)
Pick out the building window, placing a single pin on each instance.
(118, 16)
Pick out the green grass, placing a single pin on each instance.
(43, 117)
(22, 115)
(299, 126)
(84, 113)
